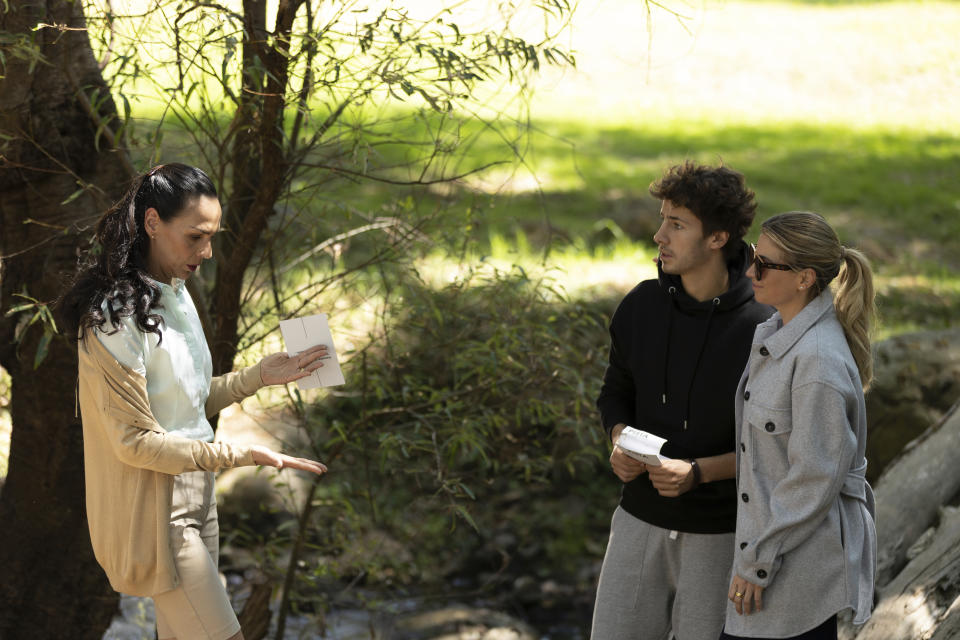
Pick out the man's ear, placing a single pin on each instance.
(718, 239)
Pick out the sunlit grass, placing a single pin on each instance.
(860, 65)
(572, 270)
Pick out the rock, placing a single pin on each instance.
(376, 554)
(917, 379)
(251, 500)
(526, 589)
(460, 622)
(135, 619)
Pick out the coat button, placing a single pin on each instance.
(746, 395)
(743, 545)
(761, 574)
(770, 427)
(745, 497)
(764, 351)
(743, 447)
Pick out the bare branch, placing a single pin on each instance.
(407, 183)
(379, 223)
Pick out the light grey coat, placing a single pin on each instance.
(805, 519)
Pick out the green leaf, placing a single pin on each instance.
(42, 348)
(49, 319)
(467, 490)
(73, 196)
(19, 308)
(463, 513)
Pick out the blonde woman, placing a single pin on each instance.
(805, 537)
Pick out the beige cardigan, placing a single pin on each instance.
(130, 461)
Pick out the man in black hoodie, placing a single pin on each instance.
(678, 347)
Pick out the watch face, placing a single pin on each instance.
(696, 472)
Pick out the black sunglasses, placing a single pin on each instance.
(759, 265)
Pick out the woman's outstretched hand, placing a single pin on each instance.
(280, 368)
(268, 458)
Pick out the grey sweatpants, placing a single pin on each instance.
(656, 584)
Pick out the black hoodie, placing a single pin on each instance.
(674, 368)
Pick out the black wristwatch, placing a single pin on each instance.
(696, 473)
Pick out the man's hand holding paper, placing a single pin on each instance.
(642, 446)
(624, 467)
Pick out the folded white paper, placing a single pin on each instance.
(299, 334)
(642, 446)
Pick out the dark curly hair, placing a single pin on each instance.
(718, 196)
(115, 267)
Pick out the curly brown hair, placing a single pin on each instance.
(718, 196)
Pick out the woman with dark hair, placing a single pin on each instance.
(146, 392)
(806, 541)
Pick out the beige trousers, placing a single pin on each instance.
(199, 608)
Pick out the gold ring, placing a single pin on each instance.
(738, 595)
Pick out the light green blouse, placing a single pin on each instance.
(178, 368)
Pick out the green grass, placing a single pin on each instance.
(904, 179)
(575, 199)
(583, 188)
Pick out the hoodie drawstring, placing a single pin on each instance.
(666, 359)
(696, 365)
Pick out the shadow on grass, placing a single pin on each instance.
(898, 186)
(892, 193)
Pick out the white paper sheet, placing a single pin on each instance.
(642, 446)
(299, 334)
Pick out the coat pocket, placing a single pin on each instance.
(769, 434)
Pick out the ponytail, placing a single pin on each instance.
(856, 311)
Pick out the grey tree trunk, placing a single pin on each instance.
(922, 601)
(51, 585)
(912, 490)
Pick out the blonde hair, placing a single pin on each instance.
(807, 241)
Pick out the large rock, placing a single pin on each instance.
(254, 499)
(917, 379)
